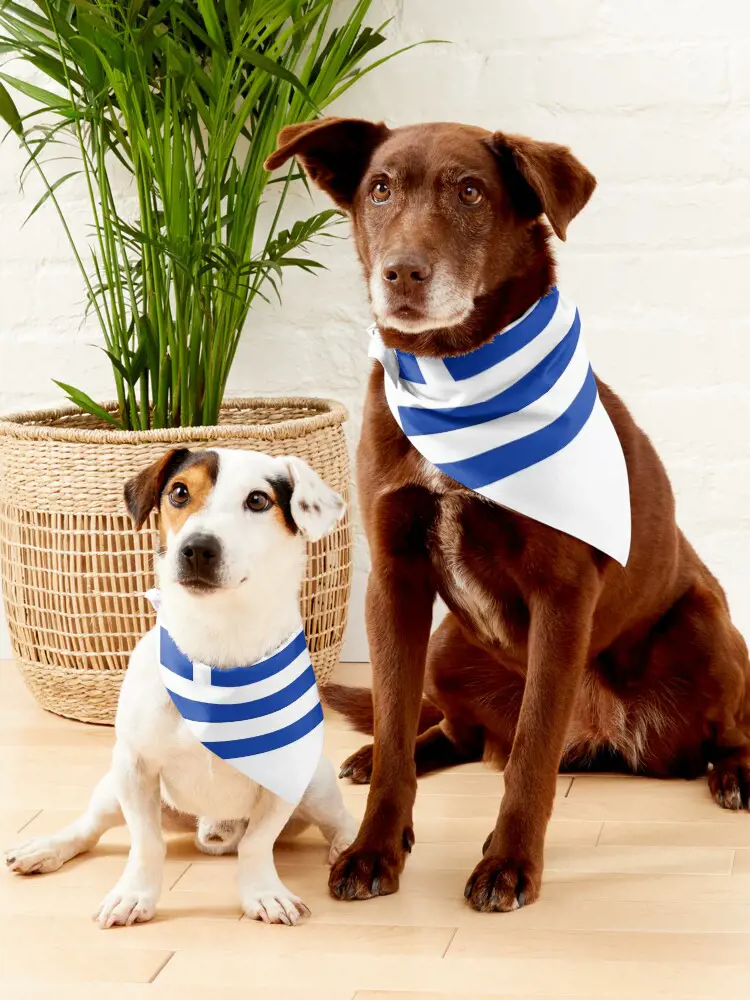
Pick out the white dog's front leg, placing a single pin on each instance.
(47, 854)
(264, 896)
(134, 898)
(323, 806)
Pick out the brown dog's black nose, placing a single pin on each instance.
(406, 269)
(200, 557)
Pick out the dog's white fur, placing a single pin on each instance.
(447, 303)
(157, 764)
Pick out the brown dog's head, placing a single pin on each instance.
(446, 220)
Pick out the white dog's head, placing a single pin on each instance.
(231, 521)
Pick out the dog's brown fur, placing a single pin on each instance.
(551, 652)
(196, 470)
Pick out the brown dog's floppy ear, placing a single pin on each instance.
(543, 177)
(142, 492)
(334, 153)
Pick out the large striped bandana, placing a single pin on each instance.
(519, 420)
(265, 718)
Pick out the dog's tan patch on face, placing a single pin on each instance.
(198, 476)
(278, 514)
(281, 492)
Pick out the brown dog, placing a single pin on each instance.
(552, 652)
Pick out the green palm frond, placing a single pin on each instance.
(188, 97)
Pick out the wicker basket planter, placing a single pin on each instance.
(74, 570)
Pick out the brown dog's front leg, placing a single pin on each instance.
(510, 873)
(400, 596)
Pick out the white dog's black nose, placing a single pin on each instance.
(200, 556)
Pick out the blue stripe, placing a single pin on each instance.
(200, 711)
(230, 749)
(408, 367)
(238, 676)
(416, 420)
(505, 344)
(172, 657)
(507, 459)
(175, 660)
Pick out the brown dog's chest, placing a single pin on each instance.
(471, 550)
(476, 582)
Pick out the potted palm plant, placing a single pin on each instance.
(176, 104)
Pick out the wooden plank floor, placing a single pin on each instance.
(647, 895)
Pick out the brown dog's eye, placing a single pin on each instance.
(380, 192)
(258, 501)
(179, 495)
(470, 195)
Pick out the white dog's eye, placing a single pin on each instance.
(258, 501)
(179, 495)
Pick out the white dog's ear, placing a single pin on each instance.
(316, 509)
(143, 491)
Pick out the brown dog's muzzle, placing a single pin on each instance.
(403, 272)
(406, 277)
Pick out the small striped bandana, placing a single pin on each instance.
(265, 719)
(519, 420)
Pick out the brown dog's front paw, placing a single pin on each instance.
(358, 767)
(729, 781)
(362, 872)
(501, 884)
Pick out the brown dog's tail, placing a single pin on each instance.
(355, 704)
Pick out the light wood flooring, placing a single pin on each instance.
(647, 895)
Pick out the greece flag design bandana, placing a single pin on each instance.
(519, 420)
(265, 718)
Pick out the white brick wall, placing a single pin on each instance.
(655, 99)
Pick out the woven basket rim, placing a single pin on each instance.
(30, 425)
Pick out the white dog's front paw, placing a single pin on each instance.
(123, 907)
(274, 906)
(35, 857)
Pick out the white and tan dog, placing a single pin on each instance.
(233, 527)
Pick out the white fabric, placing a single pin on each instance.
(265, 719)
(520, 421)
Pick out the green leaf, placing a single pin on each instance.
(140, 360)
(302, 232)
(233, 18)
(52, 67)
(119, 366)
(86, 403)
(9, 111)
(50, 192)
(154, 18)
(293, 177)
(35, 93)
(211, 20)
(304, 262)
(260, 61)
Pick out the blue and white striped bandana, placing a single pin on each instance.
(265, 718)
(519, 420)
